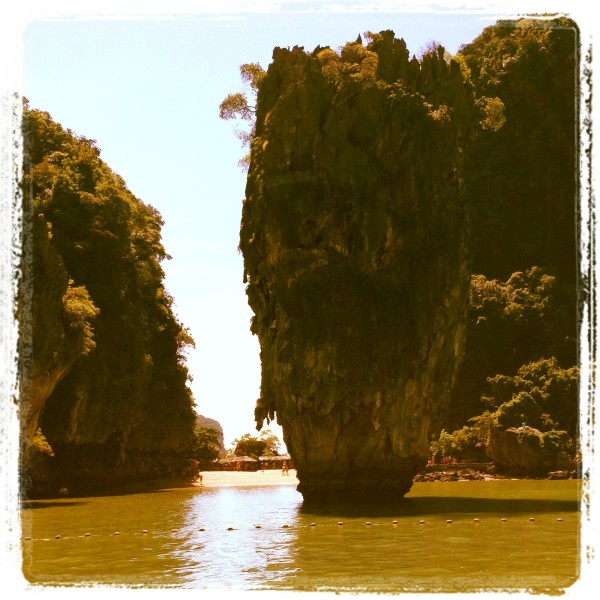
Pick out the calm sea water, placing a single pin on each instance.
(264, 538)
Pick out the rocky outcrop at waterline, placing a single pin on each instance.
(526, 450)
(355, 251)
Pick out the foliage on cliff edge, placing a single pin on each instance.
(126, 397)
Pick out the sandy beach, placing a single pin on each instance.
(211, 479)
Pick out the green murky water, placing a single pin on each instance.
(209, 538)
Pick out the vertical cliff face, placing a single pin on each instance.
(62, 334)
(527, 171)
(103, 373)
(354, 244)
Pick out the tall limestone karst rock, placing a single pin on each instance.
(521, 193)
(103, 374)
(354, 243)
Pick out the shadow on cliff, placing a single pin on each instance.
(423, 506)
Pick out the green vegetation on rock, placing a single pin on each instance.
(522, 196)
(521, 181)
(353, 156)
(355, 252)
(207, 444)
(106, 379)
(265, 444)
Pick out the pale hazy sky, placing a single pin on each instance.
(147, 89)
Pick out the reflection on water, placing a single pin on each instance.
(446, 536)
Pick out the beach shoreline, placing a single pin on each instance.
(210, 480)
(260, 478)
(268, 477)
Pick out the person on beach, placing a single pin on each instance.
(284, 468)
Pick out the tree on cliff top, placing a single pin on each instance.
(237, 106)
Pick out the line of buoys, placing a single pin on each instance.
(286, 526)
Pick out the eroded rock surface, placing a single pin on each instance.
(354, 242)
(526, 450)
(44, 310)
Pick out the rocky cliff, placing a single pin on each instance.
(355, 252)
(46, 307)
(102, 371)
(527, 451)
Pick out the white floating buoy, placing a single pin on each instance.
(313, 524)
(421, 522)
(368, 523)
(476, 520)
(28, 537)
(58, 537)
(449, 521)
(503, 519)
(87, 535)
(116, 533)
(145, 531)
(340, 523)
(559, 519)
(394, 522)
(531, 519)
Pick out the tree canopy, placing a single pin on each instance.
(207, 443)
(238, 105)
(265, 444)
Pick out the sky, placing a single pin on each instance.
(147, 86)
